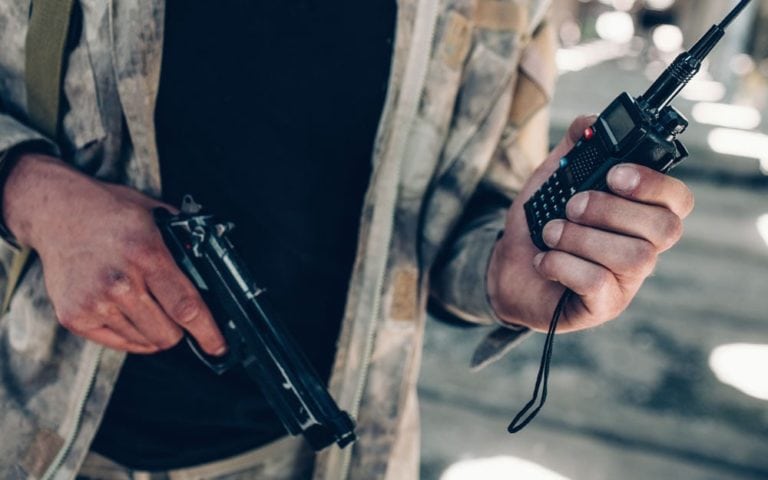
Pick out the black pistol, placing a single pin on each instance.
(199, 244)
(641, 130)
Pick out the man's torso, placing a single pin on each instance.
(271, 73)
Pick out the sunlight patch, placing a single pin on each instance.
(498, 468)
(743, 366)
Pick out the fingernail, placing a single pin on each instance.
(577, 205)
(623, 178)
(537, 260)
(552, 233)
(221, 351)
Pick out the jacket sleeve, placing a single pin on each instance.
(458, 278)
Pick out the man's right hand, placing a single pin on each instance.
(108, 273)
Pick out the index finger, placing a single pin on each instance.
(645, 185)
(182, 303)
(575, 132)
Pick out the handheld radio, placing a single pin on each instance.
(642, 130)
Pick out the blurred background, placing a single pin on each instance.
(678, 387)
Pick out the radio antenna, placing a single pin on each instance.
(688, 64)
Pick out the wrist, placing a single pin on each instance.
(493, 291)
(36, 196)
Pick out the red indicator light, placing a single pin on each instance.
(589, 134)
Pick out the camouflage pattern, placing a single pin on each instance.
(289, 458)
(463, 126)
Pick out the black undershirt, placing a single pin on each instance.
(267, 114)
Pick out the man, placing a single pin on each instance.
(269, 113)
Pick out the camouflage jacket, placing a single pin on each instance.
(464, 124)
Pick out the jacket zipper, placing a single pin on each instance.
(413, 85)
(55, 465)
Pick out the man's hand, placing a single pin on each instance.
(107, 271)
(603, 251)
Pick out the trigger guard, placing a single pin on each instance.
(218, 365)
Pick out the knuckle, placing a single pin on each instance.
(569, 235)
(90, 303)
(116, 283)
(550, 266)
(68, 320)
(644, 255)
(145, 298)
(83, 314)
(689, 202)
(100, 307)
(186, 310)
(74, 321)
(581, 122)
(594, 206)
(546, 263)
(148, 254)
(139, 250)
(681, 195)
(673, 230)
(597, 282)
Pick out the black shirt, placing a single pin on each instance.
(267, 114)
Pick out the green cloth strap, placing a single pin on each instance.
(46, 40)
(18, 266)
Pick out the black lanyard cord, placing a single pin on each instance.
(546, 358)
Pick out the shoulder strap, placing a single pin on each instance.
(18, 266)
(46, 40)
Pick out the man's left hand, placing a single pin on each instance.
(603, 252)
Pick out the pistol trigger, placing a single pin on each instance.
(217, 365)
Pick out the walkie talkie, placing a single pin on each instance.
(641, 130)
